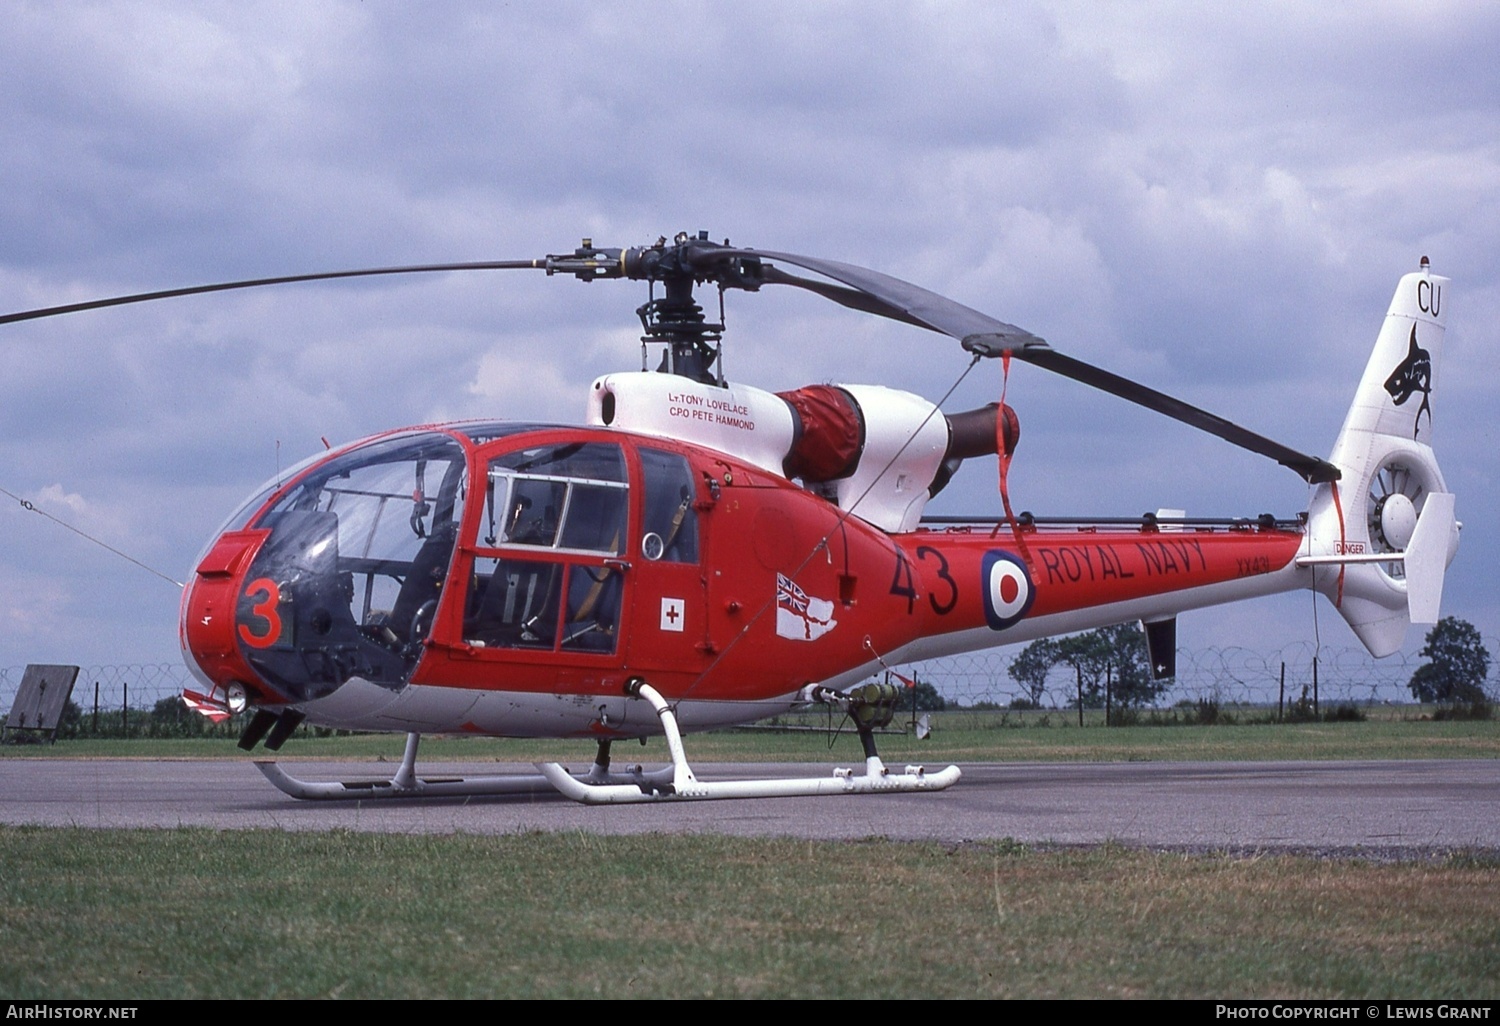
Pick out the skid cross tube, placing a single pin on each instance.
(685, 785)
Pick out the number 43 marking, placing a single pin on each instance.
(903, 584)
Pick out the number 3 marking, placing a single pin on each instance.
(266, 610)
(944, 608)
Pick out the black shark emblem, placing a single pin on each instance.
(1413, 375)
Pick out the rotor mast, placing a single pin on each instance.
(693, 345)
(674, 319)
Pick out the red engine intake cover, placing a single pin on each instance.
(830, 433)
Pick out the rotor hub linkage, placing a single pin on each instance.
(674, 318)
(693, 344)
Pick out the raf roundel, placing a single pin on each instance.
(1008, 592)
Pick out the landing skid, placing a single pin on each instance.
(601, 786)
(406, 784)
(684, 785)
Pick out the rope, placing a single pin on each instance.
(910, 682)
(822, 543)
(1004, 455)
(28, 505)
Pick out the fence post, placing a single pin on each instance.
(1315, 686)
(96, 708)
(1281, 698)
(1109, 704)
(125, 708)
(1079, 671)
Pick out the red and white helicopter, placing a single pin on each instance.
(701, 553)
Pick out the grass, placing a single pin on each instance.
(195, 914)
(957, 737)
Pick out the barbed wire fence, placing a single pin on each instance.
(133, 686)
(1237, 676)
(1226, 676)
(1301, 671)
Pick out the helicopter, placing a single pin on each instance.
(701, 553)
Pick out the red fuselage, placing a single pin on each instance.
(558, 563)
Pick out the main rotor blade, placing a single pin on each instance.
(1311, 468)
(861, 289)
(225, 286)
(918, 305)
(899, 300)
(854, 299)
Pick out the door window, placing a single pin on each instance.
(570, 496)
(543, 577)
(670, 529)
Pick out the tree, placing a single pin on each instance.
(1114, 656)
(1458, 666)
(1030, 669)
(927, 698)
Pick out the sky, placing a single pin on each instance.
(1217, 200)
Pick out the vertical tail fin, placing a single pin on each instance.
(1392, 500)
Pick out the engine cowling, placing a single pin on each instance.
(878, 452)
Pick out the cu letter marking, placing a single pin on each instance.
(1429, 297)
(1008, 592)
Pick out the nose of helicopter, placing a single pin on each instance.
(240, 626)
(210, 641)
(268, 610)
(333, 577)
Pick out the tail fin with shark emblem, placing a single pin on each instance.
(1380, 539)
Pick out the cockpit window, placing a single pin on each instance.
(570, 497)
(358, 553)
(251, 506)
(390, 497)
